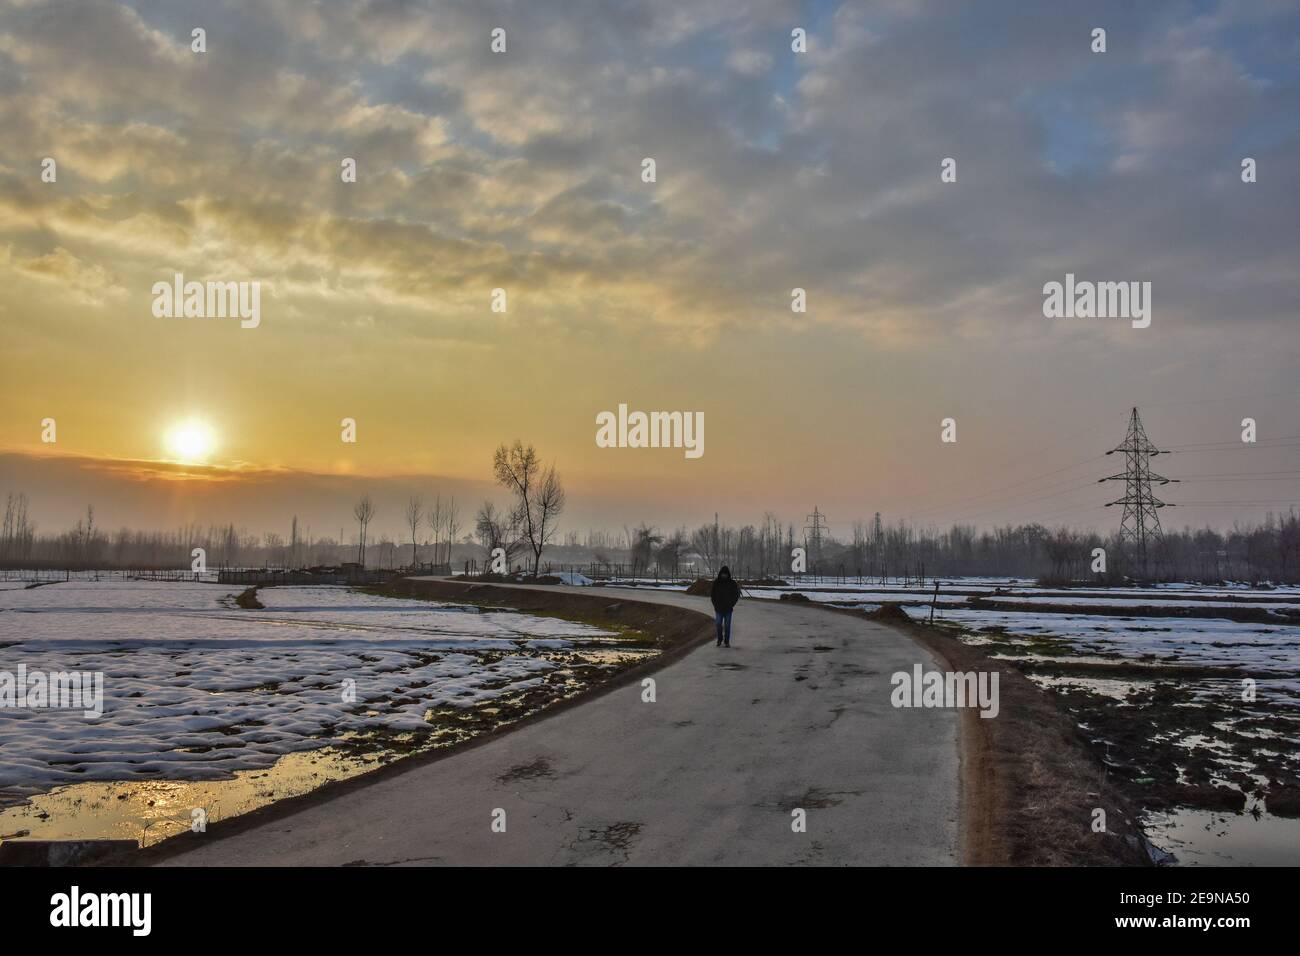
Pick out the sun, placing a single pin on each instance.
(191, 441)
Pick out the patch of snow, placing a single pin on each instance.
(196, 689)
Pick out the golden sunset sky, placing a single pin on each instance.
(522, 170)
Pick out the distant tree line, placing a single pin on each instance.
(1265, 552)
(87, 545)
(526, 529)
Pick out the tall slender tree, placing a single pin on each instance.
(414, 516)
(363, 511)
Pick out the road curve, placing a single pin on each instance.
(795, 715)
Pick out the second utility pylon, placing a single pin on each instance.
(1139, 529)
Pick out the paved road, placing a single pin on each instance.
(795, 714)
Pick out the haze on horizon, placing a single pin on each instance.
(522, 171)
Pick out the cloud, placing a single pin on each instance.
(775, 170)
(86, 282)
(750, 62)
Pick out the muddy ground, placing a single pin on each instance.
(1164, 735)
(1180, 732)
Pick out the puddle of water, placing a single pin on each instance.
(616, 656)
(1215, 838)
(152, 810)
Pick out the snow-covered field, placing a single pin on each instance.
(1255, 648)
(196, 688)
(1258, 649)
(1113, 599)
(24, 576)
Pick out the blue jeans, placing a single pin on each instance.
(721, 618)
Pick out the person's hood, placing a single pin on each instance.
(724, 572)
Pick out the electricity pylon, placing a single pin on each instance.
(1140, 525)
(813, 534)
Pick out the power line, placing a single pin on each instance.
(1244, 474)
(1253, 478)
(1262, 501)
(1234, 444)
(1073, 511)
(1073, 486)
(1232, 447)
(1036, 453)
(1016, 484)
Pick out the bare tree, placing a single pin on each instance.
(82, 540)
(550, 505)
(645, 542)
(539, 495)
(668, 557)
(19, 532)
(433, 517)
(363, 511)
(498, 529)
(414, 516)
(452, 519)
(229, 546)
(704, 541)
(274, 545)
(387, 550)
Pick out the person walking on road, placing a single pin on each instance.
(724, 595)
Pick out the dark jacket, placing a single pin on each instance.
(725, 592)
